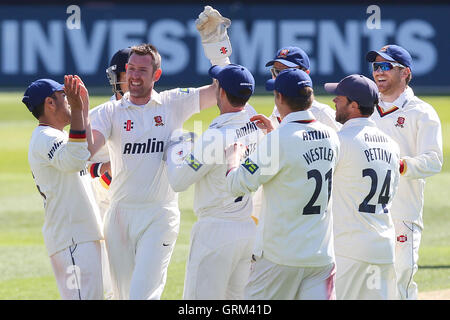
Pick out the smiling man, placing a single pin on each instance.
(142, 223)
(416, 127)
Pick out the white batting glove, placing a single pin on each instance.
(212, 27)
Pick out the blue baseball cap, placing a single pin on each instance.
(357, 88)
(291, 57)
(391, 52)
(289, 81)
(233, 78)
(38, 90)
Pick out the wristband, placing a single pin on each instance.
(105, 180)
(77, 136)
(402, 167)
(94, 169)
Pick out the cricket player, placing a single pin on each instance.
(364, 184)
(142, 223)
(222, 238)
(416, 127)
(293, 254)
(294, 57)
(58, 163)
(99, 167)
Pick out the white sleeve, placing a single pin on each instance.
(184, 102)
(185, 167)
(429, 158)
(101, 120)
(253, 171)
(67, 156)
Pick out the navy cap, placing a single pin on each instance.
(289, 81)
(357, 88)
(120, 59)
(291, 57)
(38, 91)
(391, 52)
(233, 78)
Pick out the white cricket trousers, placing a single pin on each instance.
(140, 242)
(78, 271)
(271, 281)
(102, 199)
(359, 280)
(407, 242)
(219, 260)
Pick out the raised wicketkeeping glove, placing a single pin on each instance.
(212, 27)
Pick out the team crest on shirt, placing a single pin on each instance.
(400, 122)
(402, 238)
(158, 121)
(384, 49)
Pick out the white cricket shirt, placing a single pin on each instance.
(137, 137)
(295, 165)
(416, 127)
(365, 183)
(322, 112)
(205, 166)
(59, 169)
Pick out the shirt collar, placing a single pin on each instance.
(358, 122)
(155, 99)
(230, 118)
(296, 116)
(400, 102)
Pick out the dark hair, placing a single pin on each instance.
(38, 111)
(303, 101)
(148, 49)
(365, 110)
(239, 102)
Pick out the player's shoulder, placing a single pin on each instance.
(176, 94)
(322, 107)
(45, 138)
(107, 106)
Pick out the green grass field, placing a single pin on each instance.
(25, 271)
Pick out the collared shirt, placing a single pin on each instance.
(137, 137)
(58, 166)
(322, 112)
(416, 127)
(205, 166)
(364, 184)
(295, 165)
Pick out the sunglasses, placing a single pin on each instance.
(386, 66)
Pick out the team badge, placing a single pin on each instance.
(158, 121)
(400, 122)
(193, 163)
(402, 238)
(384, 49)
(223, 50)
(128, 125)
(250, 166)
(283, 53)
